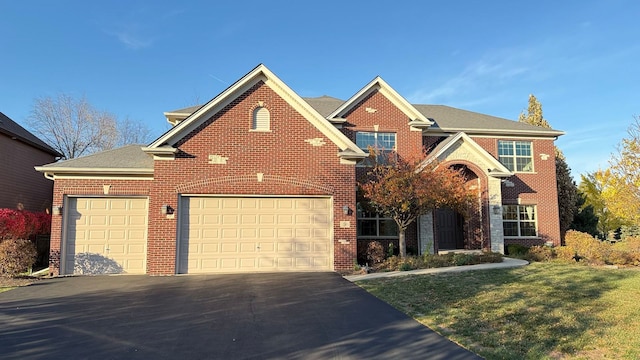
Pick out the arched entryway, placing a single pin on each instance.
(454, 230)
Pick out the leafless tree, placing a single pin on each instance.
(75, 128)
(133, 132)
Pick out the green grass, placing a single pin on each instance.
(541, 311)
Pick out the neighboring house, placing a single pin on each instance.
(260, 179)
(21, 187)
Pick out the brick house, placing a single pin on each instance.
(22, 186)
(260, 179)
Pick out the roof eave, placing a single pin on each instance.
(502, 132)
(109, 171)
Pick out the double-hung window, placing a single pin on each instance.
(372, 225)
(516, 155)
(384, 143)
(519, 220)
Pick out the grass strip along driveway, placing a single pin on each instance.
(540, 311)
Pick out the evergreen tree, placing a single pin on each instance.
(567, 189)
(585, 219)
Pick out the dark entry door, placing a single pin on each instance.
(449, 228)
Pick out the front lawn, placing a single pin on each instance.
(540, 311)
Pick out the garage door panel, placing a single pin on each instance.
(285, 233)
(285, 219)
(247, 248)
(270, 204)
(207, 265)
(210, 248)
(303, 247)
(209, 233)
(303, 233)
(267, 247)
(106, 235)
(320, 247)
(267, 263)
(229, 247)
(98, 220)
(250, 233)
(248, 263)
(265, 219)
(96, 204)
(117, 220)
(284, 247)
(229, 233)
(285, 262)
(138, 220)
(210, 220)
(229, 264)
(266, 233)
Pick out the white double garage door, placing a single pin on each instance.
(215, 235)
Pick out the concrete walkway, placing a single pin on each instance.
(506, 263)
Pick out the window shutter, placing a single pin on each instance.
(261, 119)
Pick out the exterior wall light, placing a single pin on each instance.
(346, 210)
(166, 210)
(496, 209)
(56, 210)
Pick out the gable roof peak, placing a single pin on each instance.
(416, 118)
(227, 96)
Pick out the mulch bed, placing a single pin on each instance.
(6, 281)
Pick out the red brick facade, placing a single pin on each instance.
(290, 164)
(296, 157)
(535, 188)
(377, 113)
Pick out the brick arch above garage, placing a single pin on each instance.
(255, 184)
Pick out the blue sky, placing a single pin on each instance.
(138, 59)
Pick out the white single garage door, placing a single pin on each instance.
(236, 234)
(106, 236)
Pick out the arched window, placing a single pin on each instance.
(261, 119)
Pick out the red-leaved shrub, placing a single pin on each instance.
(22, 224)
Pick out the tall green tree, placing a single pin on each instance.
(585, 219)
(566, 186)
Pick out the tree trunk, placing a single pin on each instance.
(402, 246)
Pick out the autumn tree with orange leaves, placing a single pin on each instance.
(408, 189)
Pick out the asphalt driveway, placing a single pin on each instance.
(248, 316)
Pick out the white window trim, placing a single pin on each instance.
(518, 221)
(514, 157)
(366, 149)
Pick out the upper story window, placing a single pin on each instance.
(261, 119)
(516, 155)
(382, 142)
(519, 220)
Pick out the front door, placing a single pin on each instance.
(449, 229)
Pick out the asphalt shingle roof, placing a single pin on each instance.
(445, 118)
(325, 105)
(126, 157)
(451, 119)
(13, 129)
